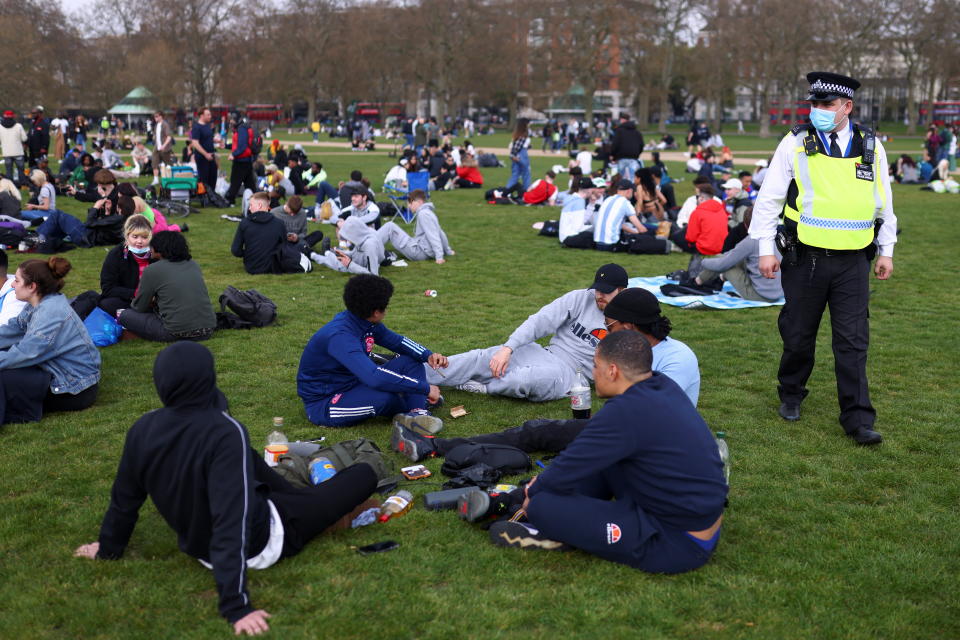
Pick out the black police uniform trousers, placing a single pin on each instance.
(839, 280)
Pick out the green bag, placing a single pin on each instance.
(295, 469)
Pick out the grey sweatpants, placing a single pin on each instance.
(401, 241)
(533, 373)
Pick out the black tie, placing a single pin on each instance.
(834, 147)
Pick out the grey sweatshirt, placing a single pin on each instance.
(367, 253)
(429, 236)
(576, 324)
(296, 223)
(747, 252)
(366, 216)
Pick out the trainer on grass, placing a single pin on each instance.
(646, 493)
(340, 384)
(229, 509)
(521, 368)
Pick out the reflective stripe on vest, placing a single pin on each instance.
(835, 208)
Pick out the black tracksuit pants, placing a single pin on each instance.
(241, 175)
(540, 435)
(840, 281)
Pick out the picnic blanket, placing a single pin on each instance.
(725, 299)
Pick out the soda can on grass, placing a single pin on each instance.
(430, 293)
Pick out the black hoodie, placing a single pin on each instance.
(258, 241)
(195, 462)
(627, 142)
(7, 123)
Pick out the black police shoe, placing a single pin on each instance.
(865, 436)
(789, 411)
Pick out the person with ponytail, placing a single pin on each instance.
(47, 360)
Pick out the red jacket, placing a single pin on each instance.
(708, 228)
(470, 173)
(540, 191)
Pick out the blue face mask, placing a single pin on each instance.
(140, 252)
(822, 119)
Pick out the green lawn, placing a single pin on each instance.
(822, 539)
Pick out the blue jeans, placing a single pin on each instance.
(59, 225)
(627, 167)
(325, 191)
(9, 162)
(520, 171)
(33, 214)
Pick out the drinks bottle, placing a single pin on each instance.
(396, 505)
(580, 396)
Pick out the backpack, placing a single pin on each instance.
(295, 469)
(255, 141)
(250, 306)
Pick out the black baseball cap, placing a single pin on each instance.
(585, 183)
(636, 306)
(609, 278)
(623, 185)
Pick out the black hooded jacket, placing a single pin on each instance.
(258, 241)
(627, 142)
(196, 464)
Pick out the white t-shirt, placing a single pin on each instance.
(585, 160)
(49, 192)
(396, 175)
(10, 307)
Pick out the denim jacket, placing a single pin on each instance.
(51, 336)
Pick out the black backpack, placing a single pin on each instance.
(251, 307)
(255, 140)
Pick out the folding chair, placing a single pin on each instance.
(415, 180)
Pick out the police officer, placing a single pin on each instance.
(831, 175)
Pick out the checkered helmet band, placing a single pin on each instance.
(828, 87)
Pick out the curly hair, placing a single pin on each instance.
(365, 294)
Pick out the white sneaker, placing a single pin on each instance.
(473, 386)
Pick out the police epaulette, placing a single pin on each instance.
(800, 127)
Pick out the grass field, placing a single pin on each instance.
(822, 539)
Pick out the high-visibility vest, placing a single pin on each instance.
(837, 201)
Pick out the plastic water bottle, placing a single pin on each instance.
(321, 469)
(580, 396)
(724, 454)
(277, 436)
(396, 505)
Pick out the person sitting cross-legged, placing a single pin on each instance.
(340, 385)
(429, 240)
(663, 470)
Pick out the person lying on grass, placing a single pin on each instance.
(229, 509)
(645, 493)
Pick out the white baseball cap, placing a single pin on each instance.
(760, 163)
(732, 183)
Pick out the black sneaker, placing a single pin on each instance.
(508, 533)
(411, 444)
(419, 420)
(325, 245)
(479, 504)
